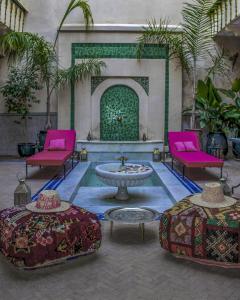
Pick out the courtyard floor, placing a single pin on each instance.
(125, 267)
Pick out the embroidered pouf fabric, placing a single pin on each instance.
(32, 240)
(206, 235)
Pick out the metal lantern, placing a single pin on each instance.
(22, 194)
(83, 154)
(226, 188)
(156, 155)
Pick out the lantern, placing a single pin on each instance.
(83, 154)
(156, 155)
(22, 194)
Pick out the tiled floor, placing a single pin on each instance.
(125, 268)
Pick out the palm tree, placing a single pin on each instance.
(192, 46)
(40, 57)
(74, 4)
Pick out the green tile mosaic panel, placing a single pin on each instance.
(117, 50)
(144, 82)
(121, 50)
(97, 80)
(119, 110)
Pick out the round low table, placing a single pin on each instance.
(131, 216)
(205, 235)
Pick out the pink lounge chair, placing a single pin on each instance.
(191, 159)
(54, 157)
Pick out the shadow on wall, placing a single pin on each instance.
(12, 133)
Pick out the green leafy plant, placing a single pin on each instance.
(35, 53)
(191, 46)
(215, 113)
(84, 6)
(210, 106)
(19, 92)
(233, 108)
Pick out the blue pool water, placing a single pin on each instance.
(90, 179)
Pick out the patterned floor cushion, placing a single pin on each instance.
(205, 235)
(32, 240)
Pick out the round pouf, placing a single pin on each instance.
(205, 235)
(32, 240)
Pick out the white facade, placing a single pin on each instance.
(44, 19)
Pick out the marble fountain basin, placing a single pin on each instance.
(129, 175)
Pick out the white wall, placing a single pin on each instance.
(44, 15)
(87, 106)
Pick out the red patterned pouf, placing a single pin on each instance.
(32, 240)
(206, 235)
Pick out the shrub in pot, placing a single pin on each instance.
(212, 116)
(19, 95)
(232, 115)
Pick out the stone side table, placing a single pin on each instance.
(31, 240)
(205, 235)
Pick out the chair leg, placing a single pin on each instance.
(26, 170)
(221, 173)
(183, 171)
(235, 187)
(172, 163)
(72, 162)
(64, 171)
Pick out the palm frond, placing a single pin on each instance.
(219, 64)
(163, 35)
(16, 44)
(84, 6)
(196, 28)
(81, 71)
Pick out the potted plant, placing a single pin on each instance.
(19, 95)
(213, 113)
(232, 115)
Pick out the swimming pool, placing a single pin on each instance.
(90, 179)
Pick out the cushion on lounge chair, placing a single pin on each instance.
(198, 159)
(190, 146)
(194, 158)
(68, 135)
(179, 146)
(49, 158)
(57, 145)
(57, 157)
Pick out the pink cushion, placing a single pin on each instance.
(57, 145)
(68, 135)
(182, 136)
(179, 146)
(190, 146)
(198, 159)
(49, 158)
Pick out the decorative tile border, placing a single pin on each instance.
(117, 50)
(141, 80)
(121, 50)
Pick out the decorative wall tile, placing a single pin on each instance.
(119, 111)
(121, 50)
(117, 50)
(97, 80)
(144, 82)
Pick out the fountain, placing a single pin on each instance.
(123, 175)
